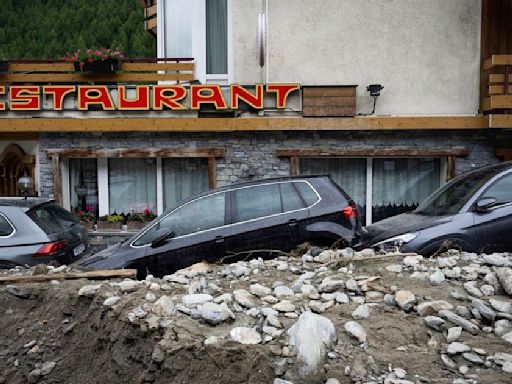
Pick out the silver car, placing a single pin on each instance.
(35, 231)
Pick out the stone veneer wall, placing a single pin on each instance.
(253, 155)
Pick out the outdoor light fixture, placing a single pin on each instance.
(374, 90)
(25, 184)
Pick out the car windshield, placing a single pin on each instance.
(451, 198)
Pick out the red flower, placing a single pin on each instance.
(147, 211)
(90, 60)
(81, 213)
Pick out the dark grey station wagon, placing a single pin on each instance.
(239, 220)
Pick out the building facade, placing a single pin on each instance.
(444, 67)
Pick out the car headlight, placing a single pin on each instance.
(398, 240)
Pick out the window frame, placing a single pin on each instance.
(13, 232)
(230, 217)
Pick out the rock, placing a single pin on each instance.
(471, 288)
(331, 284)
(361, 312)
(374, 297)
(405, 299)
(196, 299)
(111, 301)
(310, 337)
(225, 298)
(309, 291)
(507, 337)
(487, 290)
(456, 348)
(245, 335)
(389, 300)
(150, 297)
(395, 268)
(34, 375)
(448, 362)
(429, 308)
(281, 381)
(457, 320)
(332, 381)
(502, 327)
(483, 309)
(283, 291)
(437, 278)
(244, 298)
(352, 286)
(453, 273)
(47, 367)
(284, 306)
(89, 290)
(273, 321)
(436, 323)
(473, 358)
(139, 312)
(501, 306)
(212, 340)
(259, 290)
(176, 278)
(215, 313)
(411, 261)
(453, 334)
(496, 259)
(356, 330)
(505, 278)
(325, 256)
(129, 285)
(447, 262)
(18, 292)
(341, 298)
(316, 306)
(164, 306)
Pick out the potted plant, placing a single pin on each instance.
(113, 222)
(103, 60)
(87, 219)
(137, 221)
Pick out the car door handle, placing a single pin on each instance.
(219, 239)
(292, 222)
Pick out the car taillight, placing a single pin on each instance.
(350, 211)
(49, 248)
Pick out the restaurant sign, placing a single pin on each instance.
(144, 97)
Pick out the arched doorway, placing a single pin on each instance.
(13, 163)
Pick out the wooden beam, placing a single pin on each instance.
(57, 179)
(504, 154)
(497, 102)
(126, 124)
(137, 152)
(212, 172)
(497, 90)
(151, 23)
(150, 11)
(500, 121)
(294, 165)
(371, 152)
(496, 78)
(126, 67)
(451, 168)
(93, 275)
(13, 136)
(85, 78)
(497, 60)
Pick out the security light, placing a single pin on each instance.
(374, 89)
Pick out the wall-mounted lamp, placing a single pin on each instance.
(25, 184)
(374, 90)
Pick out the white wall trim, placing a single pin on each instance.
(103, 196)
(66, 188)
(369, 190)
(159, 187)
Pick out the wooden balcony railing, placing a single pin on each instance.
(498, 73)
(132, 71)
(150, 17)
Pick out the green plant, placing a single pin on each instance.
(147, 215)
(113, 218)
(92, 55)
(86, 216)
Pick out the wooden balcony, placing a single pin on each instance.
(498, 74)
(149, 71)
(150, 17)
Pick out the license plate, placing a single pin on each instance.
(79, 250)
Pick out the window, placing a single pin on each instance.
(259, 201)
(182, 178)
(83, 185)
(501, 190)
(381, 187)
(131, 185)
(51, 218)
(199, 215)
(290, 198)
(216, 36)
(308, 194)
(5, 226)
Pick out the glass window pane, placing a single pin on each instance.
(349, 174)
(182, 178)
(308, 195)
(501, 190)
(131, 185)
(400, 185)
(290, 198)
(216, 37)
(178, 28)
(5, 227)
(83, 185)
(255, 202)
(199, 215)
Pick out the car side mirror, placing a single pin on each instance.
(161, 236)
(485, 203)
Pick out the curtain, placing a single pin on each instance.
(400, 185)
(183, 178)
(132, 185)
(216, 37)
(349, 174)
(83, 174)
(178, 28)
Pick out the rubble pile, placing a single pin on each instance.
(327, 316)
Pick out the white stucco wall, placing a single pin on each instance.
(426, 53)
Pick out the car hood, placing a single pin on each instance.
(400, 224)
(85, 262)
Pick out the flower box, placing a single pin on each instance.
(109, 226)
(4, 66)
(89, 225)
(135, 225)
(100, 66)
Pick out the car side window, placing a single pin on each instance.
(307, 193)
(199, 215)
(501, 190)
(5, 227)
(258, 201)
(290, 198)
